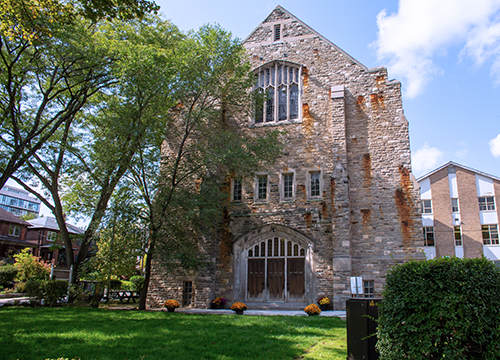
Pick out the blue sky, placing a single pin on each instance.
(446, 53)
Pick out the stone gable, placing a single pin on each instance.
(352, 131)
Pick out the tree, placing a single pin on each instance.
(34, 19)
(48, 70)
(44, 85)
(202, 147)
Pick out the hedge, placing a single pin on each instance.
(446, 308)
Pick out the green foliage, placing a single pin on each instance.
(116, 284)
(443, 308)
(30, 267)
(7, 274)
(54, 291)
(34, 289)
(137, 282)
(51, 291)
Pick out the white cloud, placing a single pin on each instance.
(495, 146)
(422, 29)
(426, 158)
(461, 153)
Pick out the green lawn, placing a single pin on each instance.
(85, 333)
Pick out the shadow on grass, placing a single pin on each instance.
(43, 333)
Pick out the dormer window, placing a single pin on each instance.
(278, 85)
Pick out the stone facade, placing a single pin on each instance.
(350, 130)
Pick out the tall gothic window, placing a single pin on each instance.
(277, 88)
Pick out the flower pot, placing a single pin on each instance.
(239, 312)
(215, 306)
(313, 314)
(323, 307)
(171, 309)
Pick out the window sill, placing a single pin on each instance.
(275, 123)
(314, 199)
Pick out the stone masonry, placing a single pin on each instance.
(352, 130)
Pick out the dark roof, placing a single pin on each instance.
(15, 241)
(50, 223)
(11, 218)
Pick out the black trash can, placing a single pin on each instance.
(360, 315)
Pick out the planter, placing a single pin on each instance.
(313, 314)
(218, 306)
(323, 307)
(171, 309)
(239, 312)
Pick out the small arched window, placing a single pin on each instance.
(277, 89)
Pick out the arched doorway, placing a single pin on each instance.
(274, 264)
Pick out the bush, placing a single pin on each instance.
(7, 274)
(30, 267)
(115, 284)
(54, 291)
(137, 282)
(443, 308)
(49, 290)
(34, 289)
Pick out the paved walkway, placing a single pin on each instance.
(335, 313)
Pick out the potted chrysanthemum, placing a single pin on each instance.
(312, 309)
(219, 303)
(238, 308)
(323, 303)
(171, 305)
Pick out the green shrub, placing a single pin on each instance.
(20, 287)
(54, 290)
(34, 289)
(137, 282)
(30, 267)
(7, 274)
(116, 284)
(51, 291)
(444, 308)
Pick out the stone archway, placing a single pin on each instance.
(274, 263)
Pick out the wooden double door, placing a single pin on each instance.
(276, 279)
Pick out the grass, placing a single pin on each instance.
(86, 333)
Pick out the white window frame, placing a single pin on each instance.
(426, 209)
(455, 206)
(233, 180)
(488, 205)
(267, 79)
(14, 230)
(258, 176)
(429, 230)
(493, 238)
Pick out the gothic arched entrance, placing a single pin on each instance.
(274, 264)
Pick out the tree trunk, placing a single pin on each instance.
(147, 277)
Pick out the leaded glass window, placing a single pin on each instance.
(277, 91)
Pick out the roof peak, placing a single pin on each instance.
(453, 163)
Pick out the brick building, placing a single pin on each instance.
(338, 203)
(12, 235)
(460, 212)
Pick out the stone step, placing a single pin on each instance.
(276, 306)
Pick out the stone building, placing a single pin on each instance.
(338, 203)
(460, 212)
